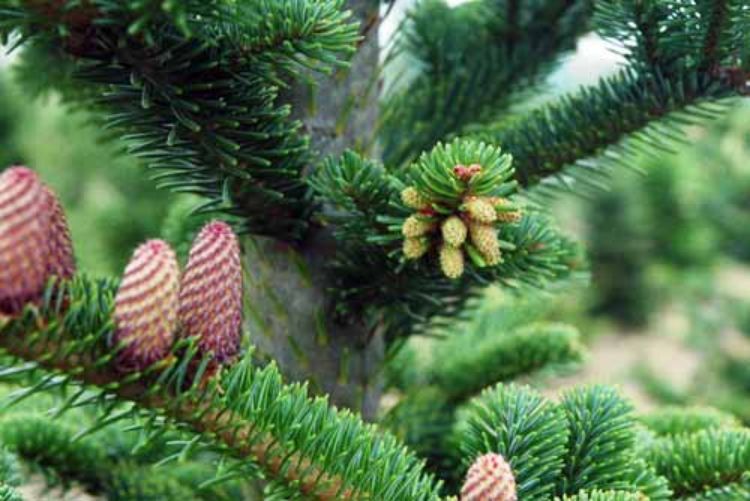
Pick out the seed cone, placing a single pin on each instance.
(414, 248)
(484, 238)
(451, 261)
(146, 306)
(61, 261)
(481, 210)
(489, 479)
(211, 292)
(416, 227)
(413, 199)
(454, 231)
(23, 244)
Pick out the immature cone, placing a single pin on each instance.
(414, 248)
(454, 231)
(413, 199)
(451, 261)
(61, 262)
(481, 210)
(484, 238)
(23, 243)
(415, 226)
(146, 306)
(211, 292)
(489, 479)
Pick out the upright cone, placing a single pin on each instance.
(211, 292)
(146, 306)
(23, 243)
(489, 479)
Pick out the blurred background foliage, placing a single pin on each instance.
(111, 204)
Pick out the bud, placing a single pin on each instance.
(211, 292)
(414, 226)
(484, 238)
(23, 243)
(481, 210)
(146, 306)
(465, 173)
(414, 248)
(474, 169)
(413, 199)
(454, 231)
(451, 261)
(489, 479)
(61, 262)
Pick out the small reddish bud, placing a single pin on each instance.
(146, 306)
(465, 173)
(23, 243)
(489, 479)
(211, 292)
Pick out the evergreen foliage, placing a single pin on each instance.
(8, 493)
(464, 367)
(204, 93)
(523, 427)
(601, 440)
(704, 465)
(680, 420)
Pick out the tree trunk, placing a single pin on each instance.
(288, 313)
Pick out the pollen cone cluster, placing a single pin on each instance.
(34, 239)
(211, 293)
(453, 229)
(154, 303)
(489, 479)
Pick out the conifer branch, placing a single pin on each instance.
(610, 120)
(302, 442)
(198, 101)
(475, 58)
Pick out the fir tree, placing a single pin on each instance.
(365, 216)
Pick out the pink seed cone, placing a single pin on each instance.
(23, 243)
(489, 479)
(211, 292)
(61, 260)
(146, 306)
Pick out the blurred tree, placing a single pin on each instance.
(620, 251)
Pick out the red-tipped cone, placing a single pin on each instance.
(61, 260)
(489, 479)
(211, 292)
(146, 306)
(23, 244)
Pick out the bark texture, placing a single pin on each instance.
(287, 308)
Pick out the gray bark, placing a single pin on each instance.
(287, 308)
